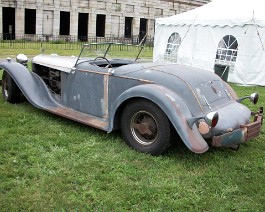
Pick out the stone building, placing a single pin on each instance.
(84, 18)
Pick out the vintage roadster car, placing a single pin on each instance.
(148, 101)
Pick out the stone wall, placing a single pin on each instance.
(115, 11)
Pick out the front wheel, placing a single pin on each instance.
(145, 127)
(10, 90)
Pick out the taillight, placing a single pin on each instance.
(212, 119)
(215, 121)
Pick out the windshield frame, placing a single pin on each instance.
(107, 50)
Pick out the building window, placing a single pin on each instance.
(65, 3)
(145, 10)
(172, 12)
(30, 21)
(116, 7)
(227, 51)
(50, 2)
(102, 5)
(171, 53)
(8, 23)
(158, 12)
(128, 27)
(129, 8)
(100, 25)
(82, 26)
(64, 23)
(143, 29)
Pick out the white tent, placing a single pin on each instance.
(223, 32)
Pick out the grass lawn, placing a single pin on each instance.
(50, 163)
(31, 50)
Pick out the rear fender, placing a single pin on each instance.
(173, 106)
(30, 84)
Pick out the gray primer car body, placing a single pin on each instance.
(93, 94)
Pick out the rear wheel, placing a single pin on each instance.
(10, 90)
(145, 127)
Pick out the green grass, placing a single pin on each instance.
(31, 52)
(33, 49)
(50, 163)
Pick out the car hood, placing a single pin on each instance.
(62, 63)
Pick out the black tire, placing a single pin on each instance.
(10, 90)
(145, 127)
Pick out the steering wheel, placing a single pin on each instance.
(104, 58)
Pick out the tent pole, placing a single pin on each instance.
(257, 31)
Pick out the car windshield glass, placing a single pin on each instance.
(110, 51)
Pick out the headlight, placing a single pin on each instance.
(22, 59)
(253, 98)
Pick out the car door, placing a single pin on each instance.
(86, 91)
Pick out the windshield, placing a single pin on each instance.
(110, 51)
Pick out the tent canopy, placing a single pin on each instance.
(233, 30)
(221, 13)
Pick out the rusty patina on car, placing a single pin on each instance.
(147, 101)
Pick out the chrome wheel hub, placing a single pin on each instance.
(144, 128)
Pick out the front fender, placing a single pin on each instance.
(30, 84)
(174, 107)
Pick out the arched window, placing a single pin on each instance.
(171, 53)
(227, 51)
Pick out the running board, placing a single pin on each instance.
(79, 117)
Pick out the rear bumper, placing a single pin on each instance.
(241, 135)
